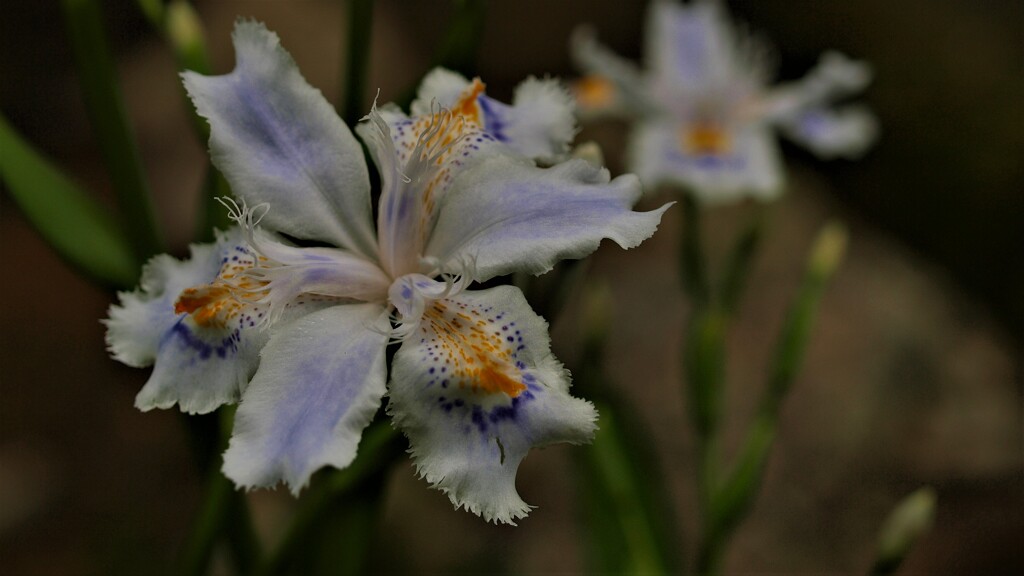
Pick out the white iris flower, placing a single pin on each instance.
(290, 312)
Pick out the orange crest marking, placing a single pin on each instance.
(705, 138)
(480, 351)
(594, 91)
(216, 303)
(467, 105)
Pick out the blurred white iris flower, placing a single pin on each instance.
(704, 113)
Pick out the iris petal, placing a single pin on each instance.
(474, 388)
(505, 215)
(198, 365)
(277, 140)
(320, 381)
(749, 166)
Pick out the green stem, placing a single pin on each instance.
(199, 545)
(106, 111)
(378, 449)
(458, 50)
(360, 33)
(705, 369)
(609, 459)
(181, 28)
(459, 47)
(824, 259)
(694, 265)
(734, 496)
(224, 510)
(739, 263)
(243, 542)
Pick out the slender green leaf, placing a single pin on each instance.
(76, 226)
(106, 112)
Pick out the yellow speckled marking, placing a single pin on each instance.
(474, 346)
(217, 303)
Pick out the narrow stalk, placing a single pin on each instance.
(357, 58)
(610, 461)
(458, 50)
(739, 263)
(243, 543)
(825, 257)
(734, 496)
(183, 32)
(705, 370)
(199, 546)
(694, 265)
(460, 44)
(378, 449)
(106, 112)
(704, 365)
(180, 27)
(622, 489)
(224, 510)
(343, 542)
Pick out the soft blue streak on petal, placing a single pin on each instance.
(320, 381)
(507, 216)
(469, 443)
(277, 140)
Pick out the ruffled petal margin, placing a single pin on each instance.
(474, 388)
(504, 216)
(199, 367)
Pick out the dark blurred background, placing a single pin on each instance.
(914, 376)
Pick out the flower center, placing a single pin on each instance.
(215, 304)
(705, 138)
(594, 91)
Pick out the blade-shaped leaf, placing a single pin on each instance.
(74, 224)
